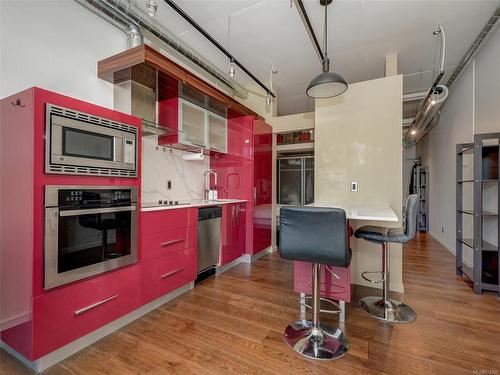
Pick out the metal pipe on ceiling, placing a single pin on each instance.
(472, 52)
(125, 16)
(476, 46)
(203, 32)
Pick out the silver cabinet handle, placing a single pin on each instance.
(90, 307)
(164, 276)
(168, 243)
(90, 211)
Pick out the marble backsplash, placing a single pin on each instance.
(160, 164)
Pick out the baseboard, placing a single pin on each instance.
(58, 355)
(448, 247)
(247, 258)
(229, 265)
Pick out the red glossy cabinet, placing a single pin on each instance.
(232, 232)
(245, 172)
(169, 257)
(65, 314)
(34, 321)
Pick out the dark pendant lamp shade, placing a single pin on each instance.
(326, 85)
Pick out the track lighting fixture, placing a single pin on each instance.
(232, 68)
(151, 7)
(269, 100)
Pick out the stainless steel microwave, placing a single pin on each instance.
(83, 144)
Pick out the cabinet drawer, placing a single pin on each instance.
(168, 241)
(159, 221)
(163, 275)
(65, 314)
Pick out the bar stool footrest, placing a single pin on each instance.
(337, 311)
(381, 280)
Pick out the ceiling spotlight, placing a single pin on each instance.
(151, 7)
(232, 68)
(413, 132)
(439, 95)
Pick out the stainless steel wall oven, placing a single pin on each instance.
(88, 230)
(79, 143)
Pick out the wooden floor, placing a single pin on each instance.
(234, 324)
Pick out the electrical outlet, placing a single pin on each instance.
(442, 229)
(169, 184)
(354, 186)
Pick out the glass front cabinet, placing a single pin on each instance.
(201, 128)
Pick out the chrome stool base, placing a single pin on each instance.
(391, 311)
(325, 342)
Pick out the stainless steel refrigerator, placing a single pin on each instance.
(296, 180)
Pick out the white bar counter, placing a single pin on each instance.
(362, 211)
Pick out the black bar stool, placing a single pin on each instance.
(318, 236)
(386, 309)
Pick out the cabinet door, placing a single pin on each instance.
(262, 185)
(193, 124)
(217, 133)
(233, 238)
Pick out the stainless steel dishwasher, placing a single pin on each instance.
(209, 227)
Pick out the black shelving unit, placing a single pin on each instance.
(485, 187)
(421, 186)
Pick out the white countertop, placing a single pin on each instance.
(154, 206)
(362, 211)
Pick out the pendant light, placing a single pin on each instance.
(326, 84)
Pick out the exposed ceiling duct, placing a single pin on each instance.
(134, 22)
(423, 122)
(432, 102)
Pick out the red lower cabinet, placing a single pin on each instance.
(68, 313)
(232, 233)
(168, 241)
(162, 275)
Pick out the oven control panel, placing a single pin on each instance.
(93, 197)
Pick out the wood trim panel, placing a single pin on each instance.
(114, 69)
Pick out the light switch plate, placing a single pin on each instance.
(169, 184)
(354, 186)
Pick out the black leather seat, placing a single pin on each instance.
(319, 236)
(316, 235)
(384, 308)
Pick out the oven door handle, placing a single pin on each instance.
(90, 211)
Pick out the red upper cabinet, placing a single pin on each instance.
(235, 168)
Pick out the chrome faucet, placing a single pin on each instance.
(207, 191)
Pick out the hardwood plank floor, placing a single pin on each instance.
(234, 324)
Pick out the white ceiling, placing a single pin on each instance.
(267, 33)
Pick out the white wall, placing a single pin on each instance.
(358, 138)
(56, 45)
(472, 107)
